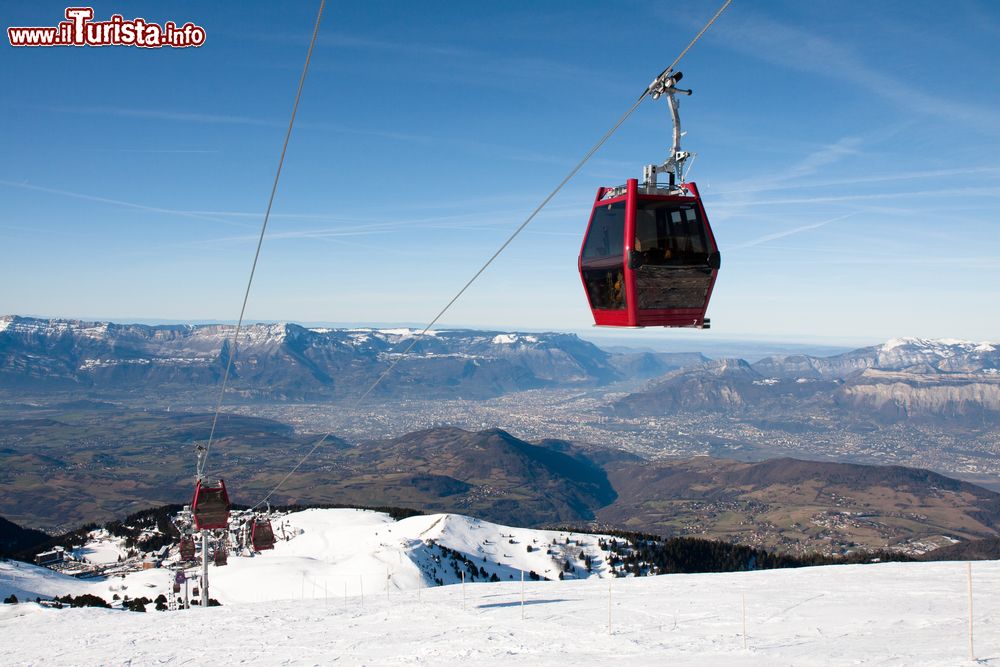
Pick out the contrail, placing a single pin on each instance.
(789, 232)
(117, 202)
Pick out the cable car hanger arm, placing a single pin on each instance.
(666, 85)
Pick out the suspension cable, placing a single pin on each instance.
(510, 239)
(671, 66)
(203, 452)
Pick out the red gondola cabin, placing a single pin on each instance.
(186, 547)
(649, 258)
(261, 535)
(221, 555)
(210, 506)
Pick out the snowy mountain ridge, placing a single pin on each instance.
(285, 360)
(916, 355)
(332, 549)
(942, 346)
(944, 354)
(899, 379)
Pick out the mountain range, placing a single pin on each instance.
(288, 361)
(903, 378)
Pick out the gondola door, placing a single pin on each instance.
(674, 260)
(607, 279)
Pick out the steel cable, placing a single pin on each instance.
(203, 454)
(510, 239)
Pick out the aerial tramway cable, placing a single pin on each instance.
(203, 452)
(651, 89)
(210, 506)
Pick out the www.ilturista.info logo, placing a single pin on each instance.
(80, 30)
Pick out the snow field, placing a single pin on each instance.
(353, 587)
(898, 614)
(104, 550)
(343, 551)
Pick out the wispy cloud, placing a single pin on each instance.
(964, 263)
(33, 231)
(451, 63)
(156, 151)
(232, 119)
(786, 46)
(504, 206)
(117, 202)
(742, 196)
(347, 41)
(788, 232)
(928, 174)
(807, 165)
(378, 228)
(173, 116)
(500, 221)
(936, 193)
(512, 153)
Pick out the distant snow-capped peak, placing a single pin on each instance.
(941, 346)
(513, 338)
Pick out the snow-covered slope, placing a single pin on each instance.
(27, 582)
(888, 614)
(367, 552)
(355, 587)
(323, 552)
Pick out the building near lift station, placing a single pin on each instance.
(57, 555)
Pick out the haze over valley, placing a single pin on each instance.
(88, 405)
(923, 403)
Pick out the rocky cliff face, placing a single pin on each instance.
(895, 394)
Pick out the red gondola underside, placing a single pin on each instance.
(649, 259)
(210, 506)
(261, 535)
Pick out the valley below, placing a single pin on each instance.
(98, 420)
(71, 464)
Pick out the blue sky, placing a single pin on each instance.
(847, 153)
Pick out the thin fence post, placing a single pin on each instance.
(968, 571)
(609, 606)
(743, 604)
(522, 595)
(463, 589)
(387, 579)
